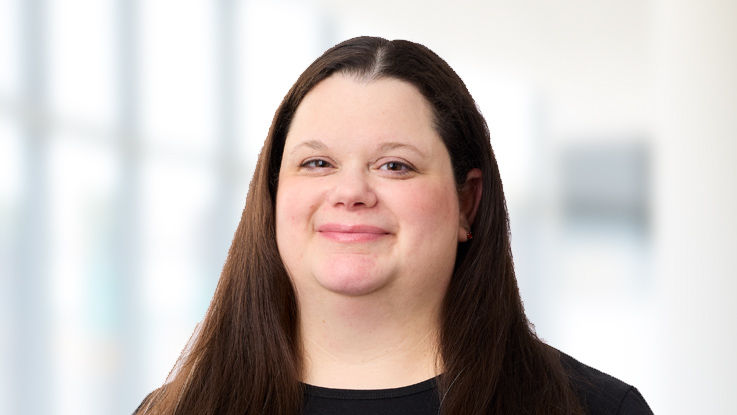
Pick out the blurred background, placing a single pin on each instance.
(129, 131)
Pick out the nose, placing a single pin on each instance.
(353, 189)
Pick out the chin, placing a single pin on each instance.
(351, 279)
(351, 286)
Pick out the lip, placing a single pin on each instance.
(352, 233)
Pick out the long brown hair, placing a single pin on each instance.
(246, 358)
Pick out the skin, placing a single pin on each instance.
(368, 219)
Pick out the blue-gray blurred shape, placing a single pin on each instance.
(606, 182)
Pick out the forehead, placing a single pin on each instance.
(342, 106)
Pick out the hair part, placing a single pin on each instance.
(247, 358)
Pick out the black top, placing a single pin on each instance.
(417, 399)
(600, 394)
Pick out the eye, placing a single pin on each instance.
(316, 164)
(396, 166)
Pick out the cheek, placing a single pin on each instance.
(432, 209)
(293, 205)
(293, 208)
(288, 217)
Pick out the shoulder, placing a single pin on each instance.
(602, 394)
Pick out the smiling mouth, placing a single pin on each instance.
(352, 233)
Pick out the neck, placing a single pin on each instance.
(368, 342)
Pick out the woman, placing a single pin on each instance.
(371, 271)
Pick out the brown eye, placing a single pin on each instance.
(316, 164)
(396, 166)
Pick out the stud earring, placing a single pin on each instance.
(469, 236)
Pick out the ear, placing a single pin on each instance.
(469, 197)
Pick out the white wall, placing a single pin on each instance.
(696, 201)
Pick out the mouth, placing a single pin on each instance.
(352, 233)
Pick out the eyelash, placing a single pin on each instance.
(310, 164)
(404, 168)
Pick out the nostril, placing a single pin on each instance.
(353, 192)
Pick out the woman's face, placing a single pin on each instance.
(366, 199)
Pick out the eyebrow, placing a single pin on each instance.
(392, 145)
(313, 144)
(395, 145)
